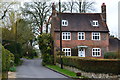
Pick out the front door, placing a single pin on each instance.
(81, 52)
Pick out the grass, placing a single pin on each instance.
(64, 71)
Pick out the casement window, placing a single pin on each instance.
(64, 22)
(96, 52)
(95, 23)
(67, 51)
(81, 36)
(66, 36)
(95, 35)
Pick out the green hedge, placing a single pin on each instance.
(92, 64)
(7, 59)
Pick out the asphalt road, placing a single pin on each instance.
(34, 69)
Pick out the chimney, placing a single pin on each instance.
(103, 8)
(53, 10)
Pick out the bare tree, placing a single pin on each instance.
(36, 13)
(78, 6)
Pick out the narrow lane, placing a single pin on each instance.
(34, 69)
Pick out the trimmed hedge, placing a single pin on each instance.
(92, 64)
(110, 55)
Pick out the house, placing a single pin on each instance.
(83, 34)
(114, 44)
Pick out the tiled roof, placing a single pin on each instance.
(81, 22)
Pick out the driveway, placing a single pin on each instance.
(34, 69)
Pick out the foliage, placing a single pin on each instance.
(92, 64)
(7, 59)
(12, 69)
(29, 52)
(47, 59)
(110, 55)
(45, 45)
(14, 48)
(15, 38)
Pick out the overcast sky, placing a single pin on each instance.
(112, 12)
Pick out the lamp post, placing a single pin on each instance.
(61, 61)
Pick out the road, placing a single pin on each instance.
(34, 69)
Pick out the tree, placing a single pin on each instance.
(77, 6)
(5, 10)
(36, 13)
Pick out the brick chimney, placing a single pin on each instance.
(103, 9)
(53, 10)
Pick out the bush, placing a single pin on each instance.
(92, 65)
(45, 46)
(12, 69)
(110, 55)
(14, 48)
(7, 59)
(47, 59)
(29, 52)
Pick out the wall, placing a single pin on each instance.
(74, 42)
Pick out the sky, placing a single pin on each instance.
(112, 12)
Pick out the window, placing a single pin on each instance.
(95, 36)
(67, 51)
(95, 23)
(66, 35)
(96, 52)
(64, 23)
(81, 36)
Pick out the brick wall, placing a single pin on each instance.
(74, 42)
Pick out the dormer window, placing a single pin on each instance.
(95, 23)
(64, 22)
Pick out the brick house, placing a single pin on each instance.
(83, 34)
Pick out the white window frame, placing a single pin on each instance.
(64, 22)
(66, 35)
(96, 51)
(95, 23)
(81, 34)
(67, 51)
(94, 34)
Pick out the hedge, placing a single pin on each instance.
(92, 64)
(7, 59)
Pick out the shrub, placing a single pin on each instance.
(92, 65)
(110, 55)
(29, 52)
(45, 46)
(12, 69)
(14, 48)
(47, 59)
(7, 59)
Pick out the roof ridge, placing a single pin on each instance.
(80, 13)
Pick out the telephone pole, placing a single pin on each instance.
(61, 61)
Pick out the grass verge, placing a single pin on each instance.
(64, 71)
